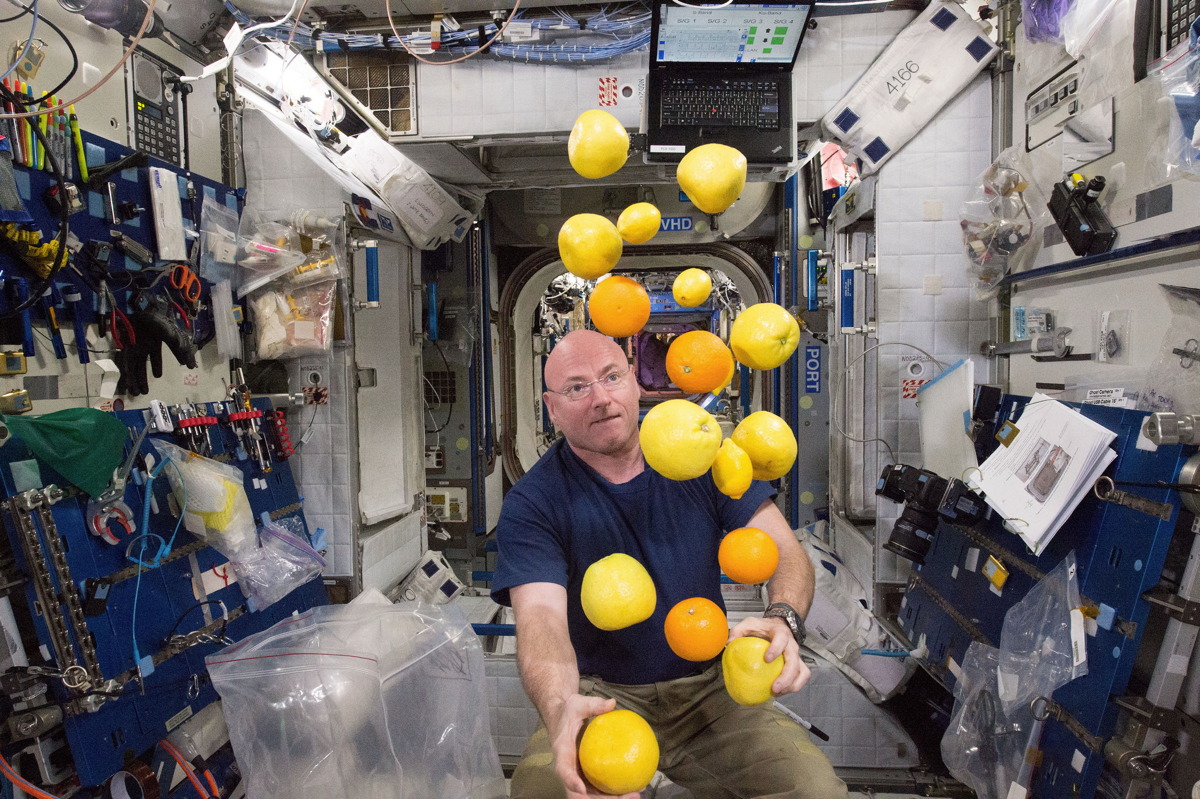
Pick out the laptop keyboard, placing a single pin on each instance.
(752, 103)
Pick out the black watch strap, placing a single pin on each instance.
(782, 610)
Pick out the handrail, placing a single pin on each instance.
(1144, 250)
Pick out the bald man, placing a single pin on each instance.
(592, 495)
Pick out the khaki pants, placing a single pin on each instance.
(709, 744)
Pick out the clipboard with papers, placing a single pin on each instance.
(1051, 457)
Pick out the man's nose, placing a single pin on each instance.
(600, 397)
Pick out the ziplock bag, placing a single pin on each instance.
(218, 240)
(281, 563)
(214, 498)
(363, 701)
(1042, 642)
(291, 322)
(982, 748)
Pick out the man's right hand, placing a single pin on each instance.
(564, 733)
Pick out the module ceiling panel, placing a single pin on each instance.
(365, 10)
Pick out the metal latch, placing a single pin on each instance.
(1176, 606)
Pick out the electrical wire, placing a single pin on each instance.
(22, 783)
(842, 377)
(187, 768)
(450, 410)
(28, 42)
(197, 606)
(627, 27)
(66, 40)
(133, 43)
(64, 216)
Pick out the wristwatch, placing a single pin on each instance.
(782, 610)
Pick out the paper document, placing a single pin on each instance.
(1038, 480)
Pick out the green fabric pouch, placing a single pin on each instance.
(84, 445)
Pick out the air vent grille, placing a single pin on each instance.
(382, 82)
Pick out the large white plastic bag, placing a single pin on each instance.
(363, 701)
(213, 496)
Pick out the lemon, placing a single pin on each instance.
(712, 176)
(769, 442)
(638, 223)
(589, 245)
(764, 335)
(732, 470)
(598, 144)
(748, 677)
(691, 287)
(617, 592)
(618, 752)
(680, 439)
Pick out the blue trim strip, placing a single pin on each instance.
(811, 288)
(948, 370)
(1183, 238)
(494, 629)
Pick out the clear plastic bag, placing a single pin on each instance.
(1042, 642)
(1099, 34)
(1043, 19)
(1003, 220)
(218, 241)
(1173, 380)
(267, 250)
(291, 322)
(281, 563)
(981, 748)
(214, 499)
(1178, 74)
(362, 700)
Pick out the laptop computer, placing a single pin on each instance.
(723, 74)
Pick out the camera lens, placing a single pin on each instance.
(913, 534)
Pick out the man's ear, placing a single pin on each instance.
(548, 404)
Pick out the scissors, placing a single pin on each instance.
(186, 282)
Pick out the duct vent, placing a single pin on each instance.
(381, 83)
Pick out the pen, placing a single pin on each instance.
(29, 123)
(44, 142)
(815, 730)
(14, 130)
(78, 137)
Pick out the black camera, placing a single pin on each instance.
(926, 497)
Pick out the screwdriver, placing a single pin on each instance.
(74, 298)
(60, 350)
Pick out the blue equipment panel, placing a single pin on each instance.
(91, 224)
(1120, 554)
(166, 599)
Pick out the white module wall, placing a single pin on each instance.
(359, 469)
(924, 296)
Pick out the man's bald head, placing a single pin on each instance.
(602, 420)
(577, 350)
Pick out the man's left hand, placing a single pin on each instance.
(795, 671)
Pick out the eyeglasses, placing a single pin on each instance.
(578, 391)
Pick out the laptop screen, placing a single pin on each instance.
(739, 33)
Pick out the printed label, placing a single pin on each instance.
(812, 370)
(608, 91)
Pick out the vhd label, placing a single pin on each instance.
(812, 370)
(677, 224)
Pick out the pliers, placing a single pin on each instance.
(120, 320)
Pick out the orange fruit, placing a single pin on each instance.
(619, 306)
(698, 362)
(748, 555)
(696, 629)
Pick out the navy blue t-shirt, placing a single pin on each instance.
(562, 517)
